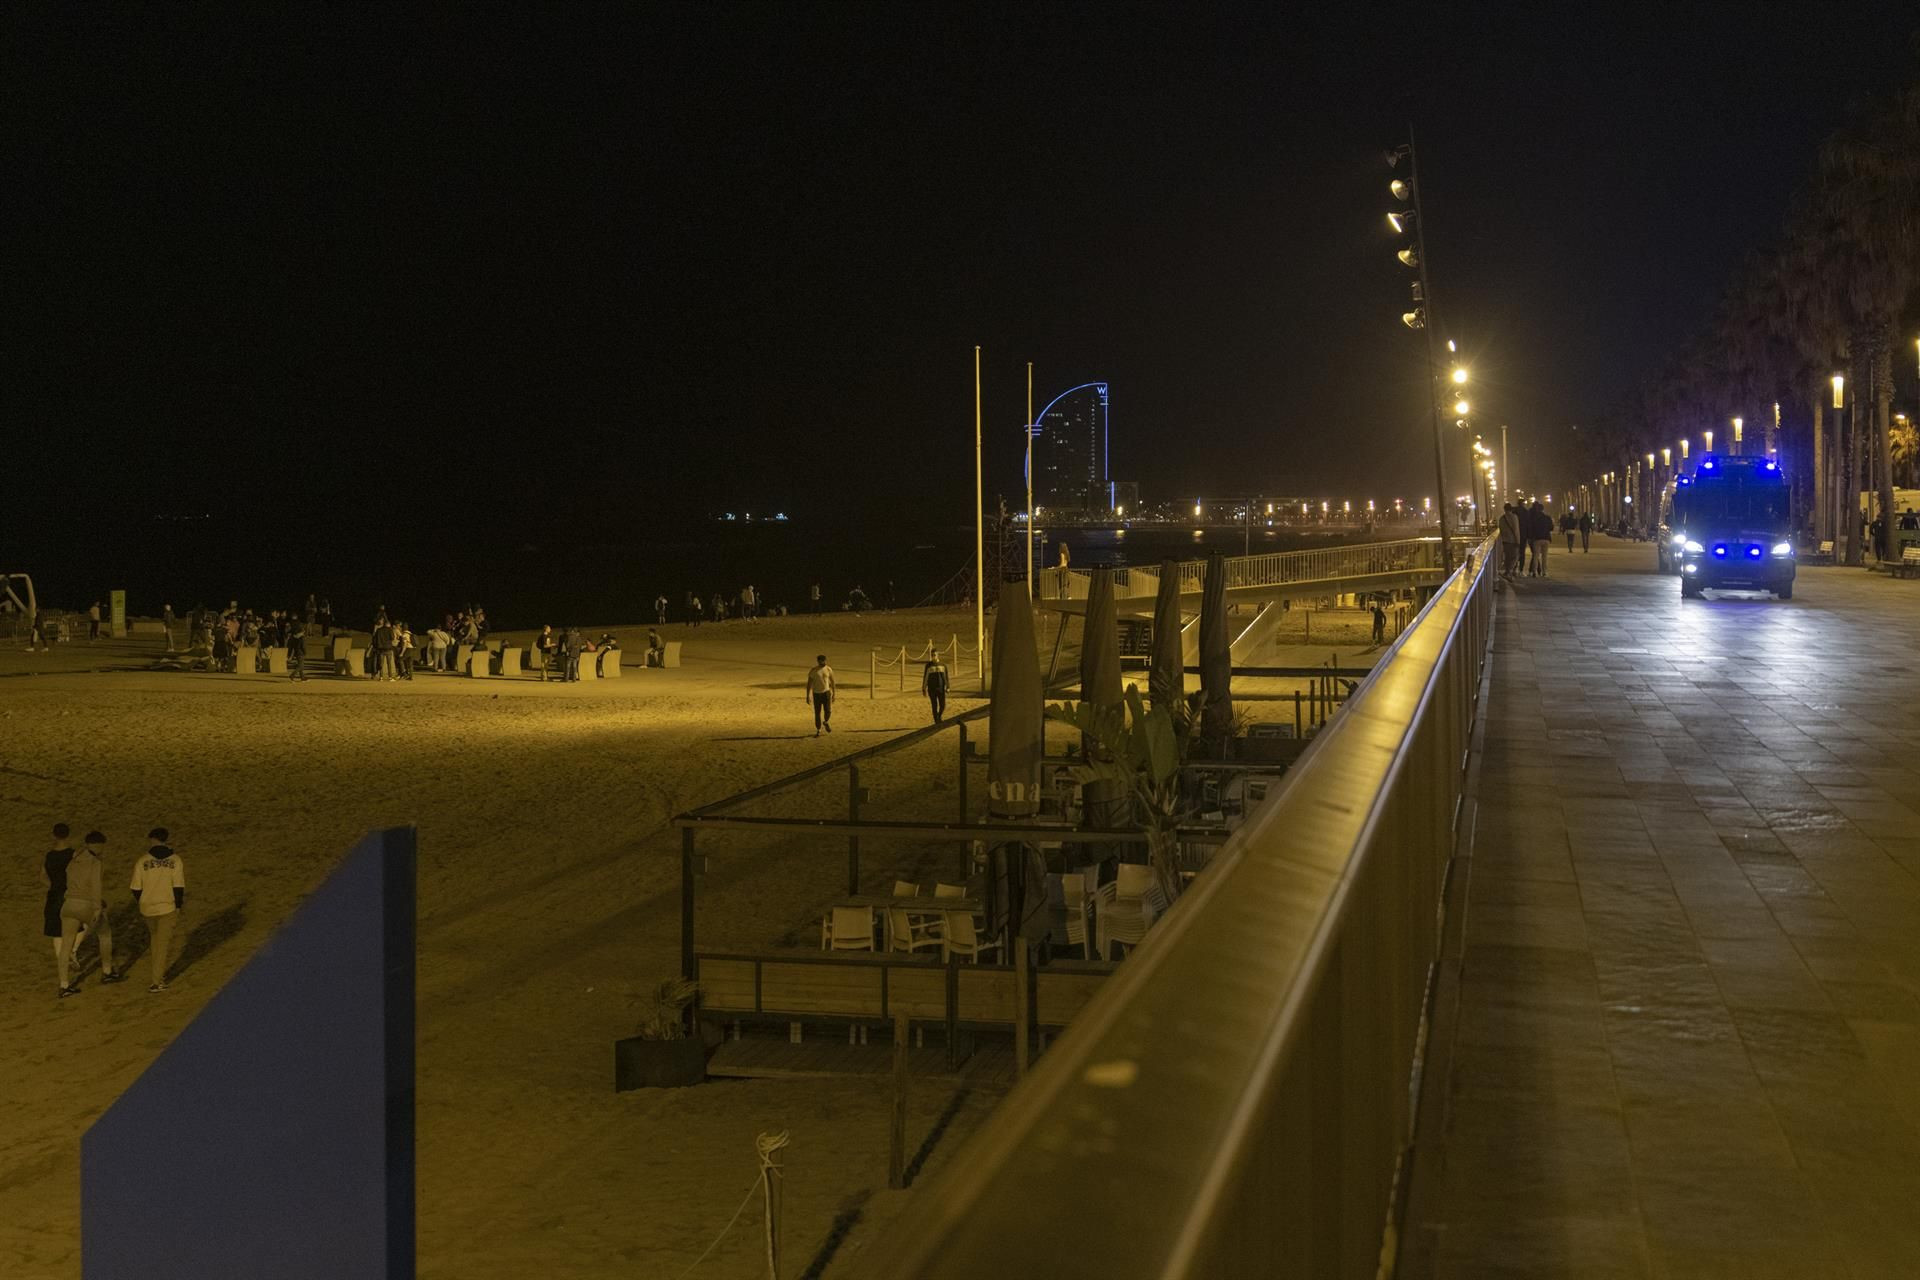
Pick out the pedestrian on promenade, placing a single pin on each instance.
(571, 649)
(1510, 541)
(933, 682)
(160, 891)
(813, 595)
(1379, 624)
(53, 874)
(545, 645)
(1567, 525)
(1540, 536)
(660, 610)
(93, 621)
(85, 907)
(820, 694)
(1586, 532)
(403, 650)
(695, 610)
(296, 650)
(166, 625)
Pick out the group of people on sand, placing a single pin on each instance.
(747, 604)
(77, 881)
(1526, 532)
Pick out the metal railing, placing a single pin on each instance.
(1273, 569)
(1238, 1098)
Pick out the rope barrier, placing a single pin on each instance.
(765, 1145)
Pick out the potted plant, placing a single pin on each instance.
(1143, 749)
(662, 1055)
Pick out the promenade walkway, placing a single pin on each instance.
(1686, 1039)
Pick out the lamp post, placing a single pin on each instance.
(1418, 318)
(1739, 433)
(1029, 479)
(979, 533)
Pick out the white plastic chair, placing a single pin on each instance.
(847, 929)
(911, 931)
(1124, 909)
(959, 938)
(1073, 902)
(949, 891)
(905, 889)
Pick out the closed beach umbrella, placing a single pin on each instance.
(1100, 645)
(1014, 739)
(1216, 656)
(1167, 676)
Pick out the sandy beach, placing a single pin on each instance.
(548, 901)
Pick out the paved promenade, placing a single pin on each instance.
(1687, 1038)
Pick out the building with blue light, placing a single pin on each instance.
(1070, 444)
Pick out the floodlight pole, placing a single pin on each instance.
(1433, 363)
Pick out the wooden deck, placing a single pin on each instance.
(827, 1057)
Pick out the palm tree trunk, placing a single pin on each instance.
(1850, 464)
(1883, 439)
(1819, 467)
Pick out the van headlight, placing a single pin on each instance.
(1694, 548)
(1783, 548)
(1679, 539)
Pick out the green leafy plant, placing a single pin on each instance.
(664, 1015)
(1142, 749)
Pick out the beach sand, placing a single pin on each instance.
(548, 900)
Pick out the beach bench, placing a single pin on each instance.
(609, 664)
(590, 666)
(246, 659)
(351, 662)
(478, 663)
(461, 652)
(276, 661)
(670, 653)
(507, 662)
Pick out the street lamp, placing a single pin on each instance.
(1415, 256)
(1685, 451)
(1459, 376)
(1461, 406)
(1666, 458)
(1708, 436)
(1839, 391)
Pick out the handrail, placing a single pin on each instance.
(1236, 1100)
(1269, 569)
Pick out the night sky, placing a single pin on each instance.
(633, 263)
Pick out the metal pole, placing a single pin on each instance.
(897, 1132)
(1029, 430)
(979, 528)
(963, 770)
(686, 902)
(853, 842)
(1506, 476)
(1433, 365)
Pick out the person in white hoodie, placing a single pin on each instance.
(160, 890)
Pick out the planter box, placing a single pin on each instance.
(658, 1064)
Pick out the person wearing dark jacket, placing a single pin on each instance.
(53, 874)
(1539, 537)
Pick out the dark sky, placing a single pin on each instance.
(636, 261)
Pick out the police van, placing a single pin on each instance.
(1738, 528)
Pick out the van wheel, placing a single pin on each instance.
(1786, 592)
(1689, 589)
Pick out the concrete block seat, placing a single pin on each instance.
(246, 659)
(351, 662)
(507, 662)
(609, 663)
(479, 663)
(590, 666)
(670, 653)
(277, 661)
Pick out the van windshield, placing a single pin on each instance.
(1738, 506)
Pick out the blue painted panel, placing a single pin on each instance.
(274, 1136)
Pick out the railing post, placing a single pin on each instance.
(686, 902)
(873, 674)
(962, 788)
(853, 842)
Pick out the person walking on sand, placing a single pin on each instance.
(933, 683)
(296, 650)
(160, 891)
(820, 693)
(813, 595)
(1379, 624)
(53, 874)
(85, 907)
(166, 625)
(660, 610)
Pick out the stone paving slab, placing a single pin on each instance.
(1687, 1041)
